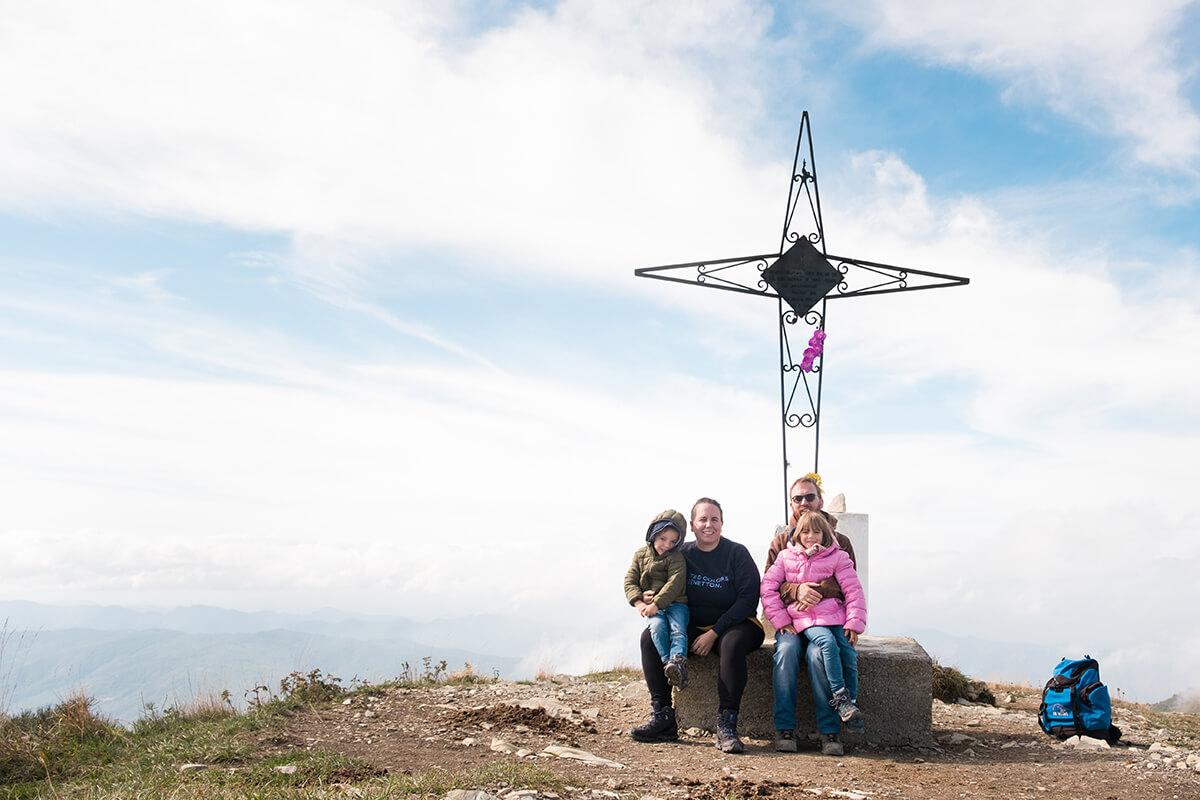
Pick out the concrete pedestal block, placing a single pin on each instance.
(895, 694)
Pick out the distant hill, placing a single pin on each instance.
(989, 660)
(488, 633)
(1025, 663)
(126, 658)
(1186, 702)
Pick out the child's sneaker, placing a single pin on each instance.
(676, 672)
(846, 708)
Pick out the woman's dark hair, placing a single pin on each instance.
(710, 501)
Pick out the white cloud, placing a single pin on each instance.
(384, 489)
(1050, 342)
(1116, 67)
(350, 123)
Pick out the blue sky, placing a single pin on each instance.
(332, 304)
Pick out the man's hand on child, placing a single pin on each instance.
(647, 596)
(808, 596)
(649, 610)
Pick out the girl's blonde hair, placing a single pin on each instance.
(814, 521)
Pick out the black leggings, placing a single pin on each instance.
(731, 647)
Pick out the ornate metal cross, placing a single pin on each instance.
(802, 275)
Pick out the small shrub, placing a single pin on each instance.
(621, 672)
(208, 706)
(948, 683)
(55, 741)
(298, 689)
(430, 674)
(467, 676)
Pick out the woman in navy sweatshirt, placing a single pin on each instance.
(722, 591)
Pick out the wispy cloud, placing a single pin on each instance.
(1120, 68)
(356, 125)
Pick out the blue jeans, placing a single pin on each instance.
(838, 656)
(785, 677)
(668, 631)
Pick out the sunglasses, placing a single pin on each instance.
(800, 498)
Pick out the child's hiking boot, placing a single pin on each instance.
(846, 708)
(785, 741)
(831, 745)
(659, 728)
(676, 672)
(727, 737)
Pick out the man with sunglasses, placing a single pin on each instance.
(805, 495)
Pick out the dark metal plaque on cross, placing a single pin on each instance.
(802, 275)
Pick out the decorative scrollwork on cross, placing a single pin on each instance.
(803, 276)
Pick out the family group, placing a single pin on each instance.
(702, 597)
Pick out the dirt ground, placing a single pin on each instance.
(981, 752)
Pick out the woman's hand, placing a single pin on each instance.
(703, 644)
(788, 629)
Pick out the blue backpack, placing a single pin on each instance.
(1075, 702)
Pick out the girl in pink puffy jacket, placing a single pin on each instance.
(833, 625)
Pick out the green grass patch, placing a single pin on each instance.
(436, 783)
(67, 751)
(69, 744)
(621, 672)
(56, 742)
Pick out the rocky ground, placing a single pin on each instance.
(578, 728)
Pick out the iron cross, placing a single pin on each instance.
(801, 274)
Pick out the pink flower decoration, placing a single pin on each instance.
(815, 349)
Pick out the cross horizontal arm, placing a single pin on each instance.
(893, 278)
(719, 274)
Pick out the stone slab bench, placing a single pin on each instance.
(895, 693)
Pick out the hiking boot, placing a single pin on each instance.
(727, 738)
(659, 728)
(676, 672)
(785, 741)
(830, 745)
(846, 708)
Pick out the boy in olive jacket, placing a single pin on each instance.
(655, 585)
